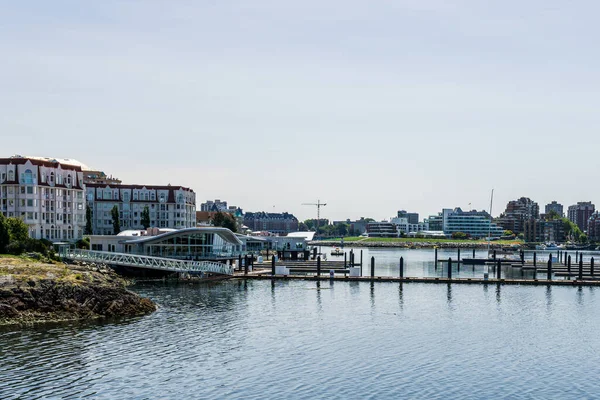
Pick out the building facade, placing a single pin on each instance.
(404, 226)
(381, 229)
(169, 206)
(544, 231)
(516, 213)
(554, 207)
(279, 223)
(580, 213)
(476, 224)
(47, 194)
(594, 227)
(413, 218)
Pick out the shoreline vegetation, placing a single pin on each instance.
(418, 243)
(34, 291)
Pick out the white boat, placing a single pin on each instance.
(540, 247)
(337, 252)
(553, 246)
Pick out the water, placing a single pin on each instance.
(305, 340)
(419, 263)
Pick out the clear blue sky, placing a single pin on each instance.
(371, 106)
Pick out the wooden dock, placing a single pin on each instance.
(262, 275)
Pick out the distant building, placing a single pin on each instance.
(280, 223)
(404, 226)
(381, 229)
(556, 207)
(218, 205)
(413, 218)
(99, 177)
(594, 227)
(356, 228)
(516, 213)
(169, 206)
(580, 213)
(544, 231)
(476, 224)
(46, 193)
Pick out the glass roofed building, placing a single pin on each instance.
(205, 243)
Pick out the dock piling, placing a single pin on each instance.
(246, 264)
(580, 267)
(499, 270)
(272, 265)
(319, 266)
(450, 268)
(458, 256)
(473, 253)
(549, 276)
(592, 267)
(372, 267)
(345, 260)
(401, 267)
(569, 266)
(534, 259)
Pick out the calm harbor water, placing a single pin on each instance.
(306, 340)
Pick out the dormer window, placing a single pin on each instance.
(69, 180)
(43, 177)
(28, 177)
(51, 177)
(11, 175)
(162, 198)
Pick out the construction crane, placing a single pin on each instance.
(318, 204)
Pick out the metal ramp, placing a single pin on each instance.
(147, 262)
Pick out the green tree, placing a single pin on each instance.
(341, 229)
(583, 238)
(145, 218)
(224, 220)
(459, 235)
(4, 235)
(114, 213)
(17, 230)
(508, 232)
(88, 220)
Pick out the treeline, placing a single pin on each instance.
(326, 229)
(15, 240)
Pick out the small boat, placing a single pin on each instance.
(553, 246)
(541, 247)
(337, 252)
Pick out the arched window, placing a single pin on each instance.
(28, 177)
(11, 175)
(162, 198)
(69, 180)
(180, 198)
(51, 177)
(126, 197)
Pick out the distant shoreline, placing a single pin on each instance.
(420, 244)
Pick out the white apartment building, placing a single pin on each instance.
(403, 226)
(47, 194)
(169, 206)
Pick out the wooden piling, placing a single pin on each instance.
(592, 267)
(569, 265)
(319, 266)
(401, 267)
(499, 270)
(458, 256)
(534, 259)
(246, 264)
(450, 268)
(549, 276)
(372, 267)
(272, 265)
(580, 267)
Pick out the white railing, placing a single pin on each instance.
(158, 263)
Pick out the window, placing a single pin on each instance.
(11, 175)
(43, 177)
(69, 180)
(51, 177)
(29, 189)
(180, 198)
(126, 197)
(162, 198)
(29, 202)
(28, 177)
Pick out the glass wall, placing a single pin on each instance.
(194, 246)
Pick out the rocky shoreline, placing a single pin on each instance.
(32, 292)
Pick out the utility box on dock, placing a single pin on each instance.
(354, 271)
(281, 270)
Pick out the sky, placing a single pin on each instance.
(369, 106)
